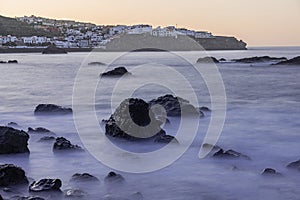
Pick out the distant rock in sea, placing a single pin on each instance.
(208, 60)
(270, 172)
(293, 61)
(39, 130)
(258, 59)
(118, 71)
(47, 109)
(294, 165)
(9, 62)
(83, 177)
(52, 49)
(13, 141)
(62, 143)
(96, 63)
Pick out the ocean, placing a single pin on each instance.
(260, 103)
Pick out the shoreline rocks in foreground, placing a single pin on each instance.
(12, 175)
(13, 141)
(293, 61)
(51, 109)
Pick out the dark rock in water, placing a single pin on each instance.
(26, 198)
(46, 109)
(163, 138)
(39, 130)
(12, 175)
(2, 62)
(204, 109)
(12, 61)
(230, 154)
(210, 146)
(47, 138)
(174, 106)
(293, 61)
(62, 143)
(113, 177)
(74, 193)
(13, 125)
(45, 185)
(207, 60)
(130, 118)
(84, 177)
(13, 141)
(1, 197)
(119, 71)
(52, 49)
(259, 59)
(222, 60)
(96, 63)
(270, 171)
(294, 165)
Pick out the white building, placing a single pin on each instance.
(117, 30)
(164, 32)
(140, 29)
(203, 34)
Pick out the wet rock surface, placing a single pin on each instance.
(62, 143)
(47, 109)
(45, 185)
(118, 71)
(13, 141)
(12, 175)
(74, 193)
(83, 177)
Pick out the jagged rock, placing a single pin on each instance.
(259, 59)
(39, 130)
(230, 154)
(118, 71)
(74, 193)
(12, 61)
(51, 109)
(113, 177)
(46, 138)
(270, 171)
(12, 175)
(207, 59)
(26, 198)
(293, 61)
(45, 185)
(13, 140)
(52, 49)
(174, 106)
(83, 177)
(96, 63)
(13, 125)
(294, 165)
(62, 143)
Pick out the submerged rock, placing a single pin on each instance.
(83, 177)
(259, 59)
(62, 143)
(12, 175)
(52, 49)
(47, 109)
(294, 165)
(230, 154)
(208, 60)
(39, 130)
(74, 193)
(113, 177)
(118, 71)
(270, 171)
(26, 198)
(45, 185)
(96, 63)
(13, 141)
(293, 61)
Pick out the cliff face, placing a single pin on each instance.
(181, 43)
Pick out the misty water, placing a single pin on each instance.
(262, 121)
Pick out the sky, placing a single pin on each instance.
(257, 22)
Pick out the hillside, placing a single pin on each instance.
(10, 26)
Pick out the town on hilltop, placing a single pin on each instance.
(72, 34)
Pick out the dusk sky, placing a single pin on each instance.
(259, 23)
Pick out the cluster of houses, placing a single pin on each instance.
(83, 35)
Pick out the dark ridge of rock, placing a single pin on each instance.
(39, 130)
(294, 165)
(204, 109)
(208, 59)
(83, 177)
(270, 171)
(13, 141)
(2, 62)
(230, 154)
(96, 63)
(222, 60)
(118, 71)
(293, 61)
(45, 185)
(46, 138)
(213, 147)
(0, 194)
(52, 49)
(113, 177)
(166, 139)
(12, 175)
(12, 61)
(47, 109)
(26, 198)
(173, 106)
(74, 193)
(258, 59)
(13, 125)
(62, 143)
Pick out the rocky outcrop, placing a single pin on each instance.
(62, 143)
(12, 175)
(39, 130)
(13, 141)
(47, 138)
(83, 177)
(113, 177)
(230, 154)
(96, 63)
(52, 49)
(45, 185)
(47, 109)
(13, 125)
(118, 71)
(294, 165)
(208, 60)
(293, 61)
(270, 172)
(26, 198)
(258, 59)
(9, 61)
